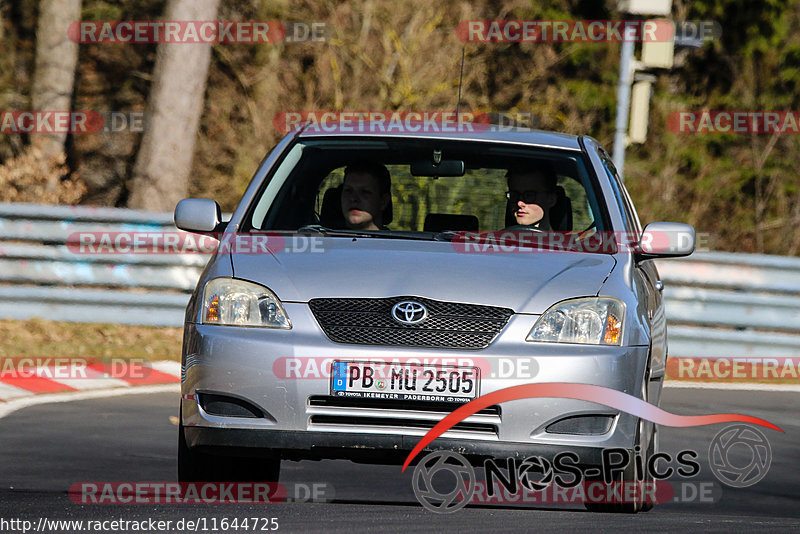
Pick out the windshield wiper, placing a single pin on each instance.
(317, 228)
(448, 235)
(324, 230)
(335, 232)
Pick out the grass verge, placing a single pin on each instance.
(39, 338)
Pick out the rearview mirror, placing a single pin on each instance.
(199, 215)
(447, 167)
(666, 240)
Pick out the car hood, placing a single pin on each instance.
(527, 282)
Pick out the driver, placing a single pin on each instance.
(531, 194)
(365, 196)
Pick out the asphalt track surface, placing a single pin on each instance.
(44, 449)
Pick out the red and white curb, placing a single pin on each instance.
(46, 386)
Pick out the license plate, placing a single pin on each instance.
(404, 381)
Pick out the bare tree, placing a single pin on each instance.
(54, 77)
(164, 161)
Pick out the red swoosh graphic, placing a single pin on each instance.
(586, 392)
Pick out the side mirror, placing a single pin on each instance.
(666, 240)
(199, 215)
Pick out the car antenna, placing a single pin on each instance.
(460, 80)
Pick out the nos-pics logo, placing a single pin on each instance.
(445, 481)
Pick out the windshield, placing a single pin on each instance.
(421, 188)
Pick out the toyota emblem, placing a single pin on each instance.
(409, 312)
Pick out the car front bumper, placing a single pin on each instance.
(253, 365)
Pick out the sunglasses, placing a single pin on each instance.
(528, 197)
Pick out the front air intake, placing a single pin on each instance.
(586, 425)
(225, 406)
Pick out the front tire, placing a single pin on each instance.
(649, 479)
(197, 466)
(629, 476)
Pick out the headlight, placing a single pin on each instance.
(592, 320)
(231, 302)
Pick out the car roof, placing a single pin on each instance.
(519, 136)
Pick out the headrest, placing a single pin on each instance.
(330, 214)
(440, 222)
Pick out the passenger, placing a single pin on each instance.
(531, 194)
(366, 196)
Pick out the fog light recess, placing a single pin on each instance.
(225, 406)
(582, 425)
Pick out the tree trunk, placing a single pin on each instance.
(164, 161)
(54, 76)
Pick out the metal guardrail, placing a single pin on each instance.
(718, 304)
(40, 276)
(725, 305)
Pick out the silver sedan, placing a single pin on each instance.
(368, 284)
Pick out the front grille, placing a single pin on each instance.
(397, 417)
(448, 325)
